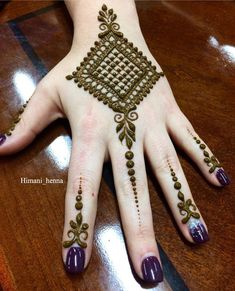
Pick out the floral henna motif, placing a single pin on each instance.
(78, 232)
(107, 17)
(186, 208)
(212, 161)
(116, 73)
(125, 127)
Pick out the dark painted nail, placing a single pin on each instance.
(222, 177)
(198, 231)
(75, 260)
(2, 138)
(151, 269)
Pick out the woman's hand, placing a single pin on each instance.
(96, 138)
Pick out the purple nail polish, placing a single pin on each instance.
(222, 177)
(2, 138)
(151, 270)
(197, 231)
(75, 260)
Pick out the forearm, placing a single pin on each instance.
(86, 27)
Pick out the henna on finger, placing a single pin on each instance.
(188, 210)
(212, 162)
(78, 228)
(116, 73)
(78, 234)
(8, 133)
(186, 207)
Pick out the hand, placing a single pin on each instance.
(95, 139)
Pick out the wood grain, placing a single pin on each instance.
(194, 42)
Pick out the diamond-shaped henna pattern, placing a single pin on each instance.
(116, 73)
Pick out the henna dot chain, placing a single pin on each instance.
(116, 73)
(211, 161)
(17, 119)
(186, 208)
(78, 232)
(131, 172)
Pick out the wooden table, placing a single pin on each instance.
(195, 44)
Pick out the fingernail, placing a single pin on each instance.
(151, 270)
(198, 231)
(222, 177)
(2, 138)
(75, 260)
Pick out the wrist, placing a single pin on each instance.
(84, 14)
(80, 8)
(103, 35)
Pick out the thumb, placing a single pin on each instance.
(33, 117)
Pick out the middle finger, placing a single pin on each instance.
(133, 199)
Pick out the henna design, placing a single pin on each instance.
(186, 208)
(126, 127)
(212, 161)
(17, 119)
(129, 155)
(78, 228)
(116, 73)
(107, 17)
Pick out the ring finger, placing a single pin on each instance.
(133, 199)
(167, 168)
(184, 135)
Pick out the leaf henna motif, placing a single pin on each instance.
(78, 232)
(116, 73)
(107, 17)
(187, 208)
(212, 161)
(125, 127)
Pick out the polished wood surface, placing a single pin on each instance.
(195, 44)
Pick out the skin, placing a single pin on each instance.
(95, 140)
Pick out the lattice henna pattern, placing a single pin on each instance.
(116, 73)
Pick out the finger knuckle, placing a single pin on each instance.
(166, 161)
(144, 233)
(85, 178)
(90, 128)
(183, 121)
(125, 187)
